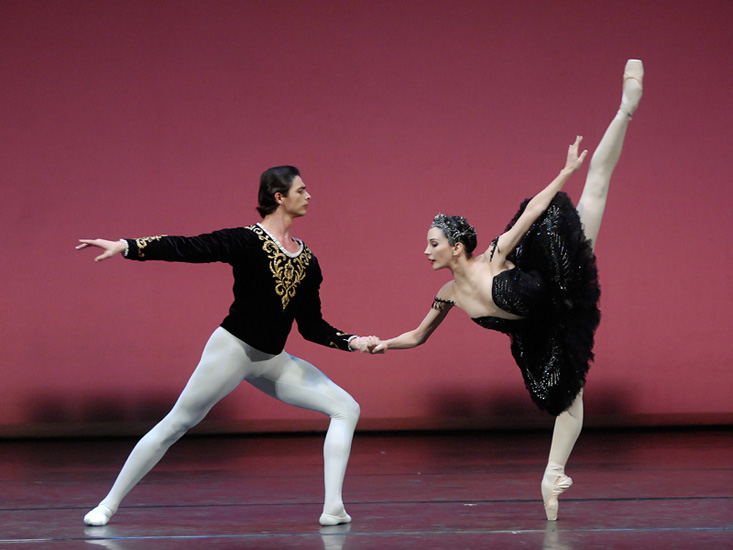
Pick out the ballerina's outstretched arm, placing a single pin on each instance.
(420, 335)
(535, 207)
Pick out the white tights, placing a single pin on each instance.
(225, 362)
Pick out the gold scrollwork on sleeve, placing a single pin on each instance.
(142, 243)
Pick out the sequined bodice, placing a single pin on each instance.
(506, 326)
(515, 292)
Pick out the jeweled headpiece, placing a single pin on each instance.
(456, 228)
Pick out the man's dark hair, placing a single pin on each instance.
(274, 180)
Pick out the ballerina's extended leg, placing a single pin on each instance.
(595, 192)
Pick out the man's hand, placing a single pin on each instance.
(111, 248)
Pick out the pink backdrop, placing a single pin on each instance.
(140, 118)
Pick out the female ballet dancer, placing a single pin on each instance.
(276, 281)
(537, 282)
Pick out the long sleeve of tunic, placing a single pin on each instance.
(272, 287)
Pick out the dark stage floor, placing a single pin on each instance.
(633, 489)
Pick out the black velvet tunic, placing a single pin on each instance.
(271, 286)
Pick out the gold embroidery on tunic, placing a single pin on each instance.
(142, 243)
(288, 272)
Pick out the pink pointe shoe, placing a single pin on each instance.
(632, 87)
(554, 483)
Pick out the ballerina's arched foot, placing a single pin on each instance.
(98, 517)
(553, 486)
(330, 519)
(633, 86)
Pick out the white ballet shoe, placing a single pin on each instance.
(330, 519)
(98, 517)
(554, 483)
(633, 86)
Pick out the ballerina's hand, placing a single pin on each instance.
(574, 161)
(379, 348)
(110, 248)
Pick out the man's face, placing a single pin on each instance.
(295, 202)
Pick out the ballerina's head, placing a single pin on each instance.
(448, 237)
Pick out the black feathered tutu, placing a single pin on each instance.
(555, 287)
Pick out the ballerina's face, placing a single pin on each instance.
(439, 250)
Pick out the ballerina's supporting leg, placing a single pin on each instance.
(567, 429)
(569, 424)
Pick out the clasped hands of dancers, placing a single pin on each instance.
(540, 287)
